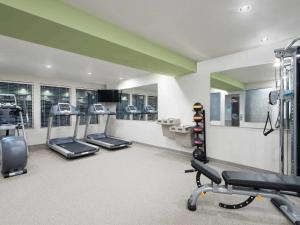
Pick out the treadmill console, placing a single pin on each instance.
(149, 108)
(131, 109)
(99, 108)
(7, 100)
(64, 107)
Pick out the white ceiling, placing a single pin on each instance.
(252, 74)
(201, 29)
(25, 58)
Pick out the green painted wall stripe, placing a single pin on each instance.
(63, 23)
(223, 82)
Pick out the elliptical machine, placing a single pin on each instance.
(13, 148)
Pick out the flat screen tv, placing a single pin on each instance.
(108, 96)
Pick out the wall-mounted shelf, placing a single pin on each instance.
(183, 135)
(166, 124)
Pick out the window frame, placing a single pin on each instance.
(86, 89)
(220, 107)
(32, 99)
(257, 125)
(133, 95)
(152, 96)
(123, 112)
(54, 86)
(268, 89)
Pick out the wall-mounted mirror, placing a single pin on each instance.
(239, 97)
(139, 103)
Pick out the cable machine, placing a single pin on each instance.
(287, 93)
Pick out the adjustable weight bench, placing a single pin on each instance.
(251, 184)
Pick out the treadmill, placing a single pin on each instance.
(102, 139)
(132, 110)
(150, 111)
(70, 147)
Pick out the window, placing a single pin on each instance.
(124, 102)
(84, 98)
(256, 105)
(152, 100)
(215, 106)
(23, 94)
(139, 102)
(50, 96)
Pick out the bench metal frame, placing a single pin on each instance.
(279, 200)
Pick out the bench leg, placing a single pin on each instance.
(279, 200)
(288, 209)
(192, 201)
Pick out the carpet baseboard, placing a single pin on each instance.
(36, 147)
(218, 161)
(187, 154)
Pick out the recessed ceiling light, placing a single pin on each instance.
(89, 73)
(245, 8)
(121, 78)
(264, 39)
(48, 66)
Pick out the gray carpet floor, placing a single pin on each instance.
(137, 186)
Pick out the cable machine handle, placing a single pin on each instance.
(267, 132)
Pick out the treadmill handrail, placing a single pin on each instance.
(55, 112)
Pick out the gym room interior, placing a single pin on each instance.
(141, 112)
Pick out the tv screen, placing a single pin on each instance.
(108, 96)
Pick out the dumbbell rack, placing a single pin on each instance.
(200, 143)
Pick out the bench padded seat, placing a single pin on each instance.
(262, 180)
(207, 171)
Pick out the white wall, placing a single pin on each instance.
(140, 91)
(176, 96)
(37, 135)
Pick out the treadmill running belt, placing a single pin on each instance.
(76, 147)
(115, 142)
